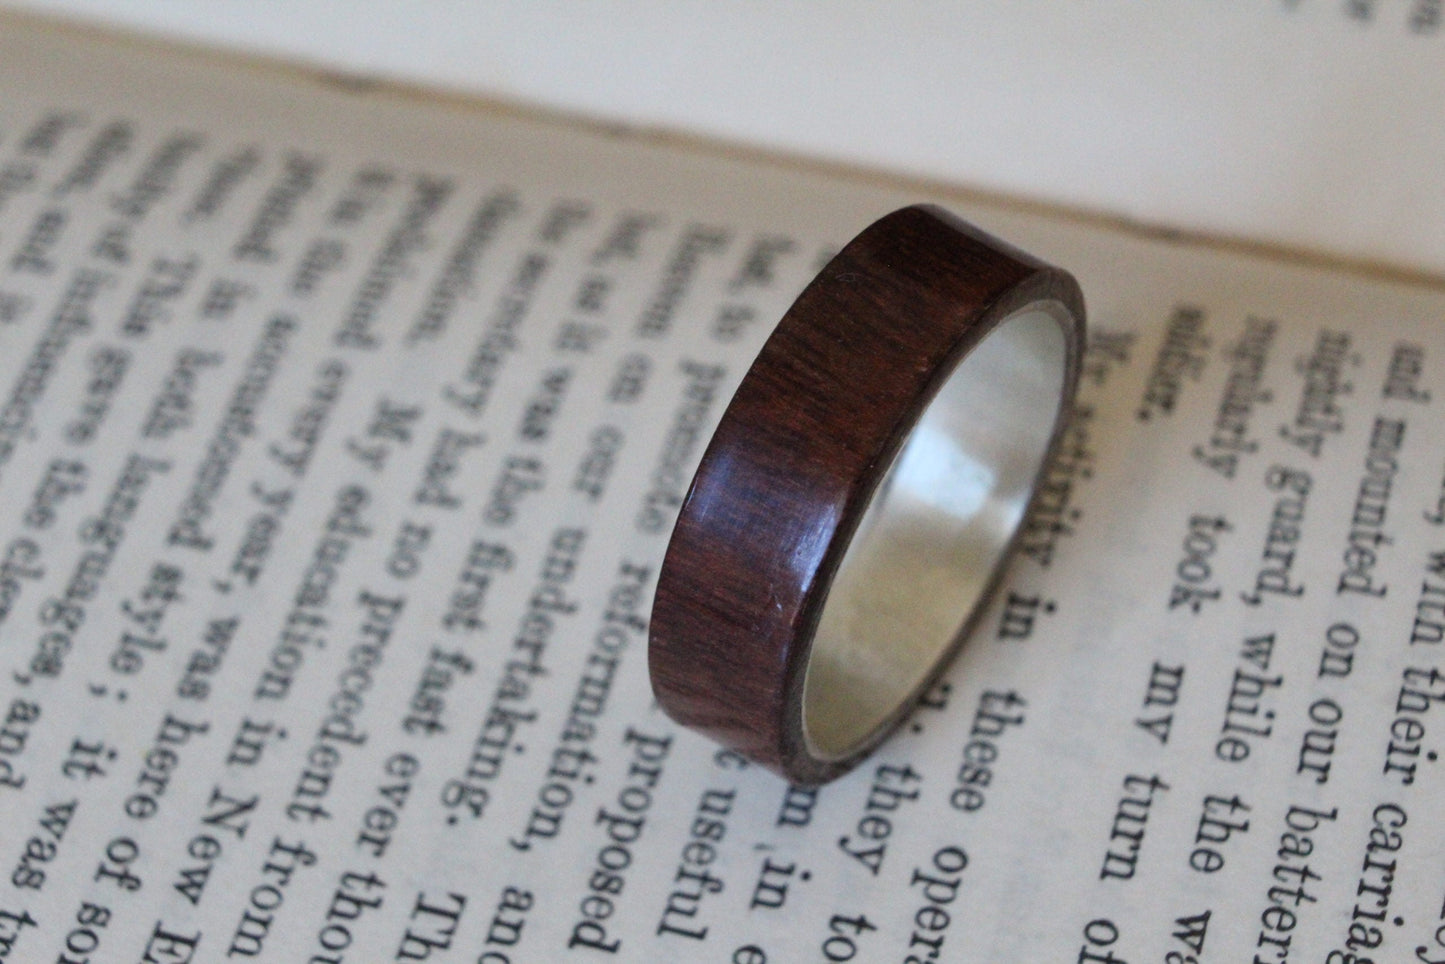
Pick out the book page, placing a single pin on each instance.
(1302, 123)
(341, 434)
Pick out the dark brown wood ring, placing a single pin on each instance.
(810, 440)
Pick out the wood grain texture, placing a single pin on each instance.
(814, 425)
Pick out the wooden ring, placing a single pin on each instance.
(856, 504)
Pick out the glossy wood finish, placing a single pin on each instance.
(813, 427)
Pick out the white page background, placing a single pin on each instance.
(1285, 122)
(1288, 123)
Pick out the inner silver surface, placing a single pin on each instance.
(935, 531)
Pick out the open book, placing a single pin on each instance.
(341, 433)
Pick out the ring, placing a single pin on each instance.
(856, 504)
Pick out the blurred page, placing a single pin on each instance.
(1300, 123)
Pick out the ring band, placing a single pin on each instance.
(857, 502)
